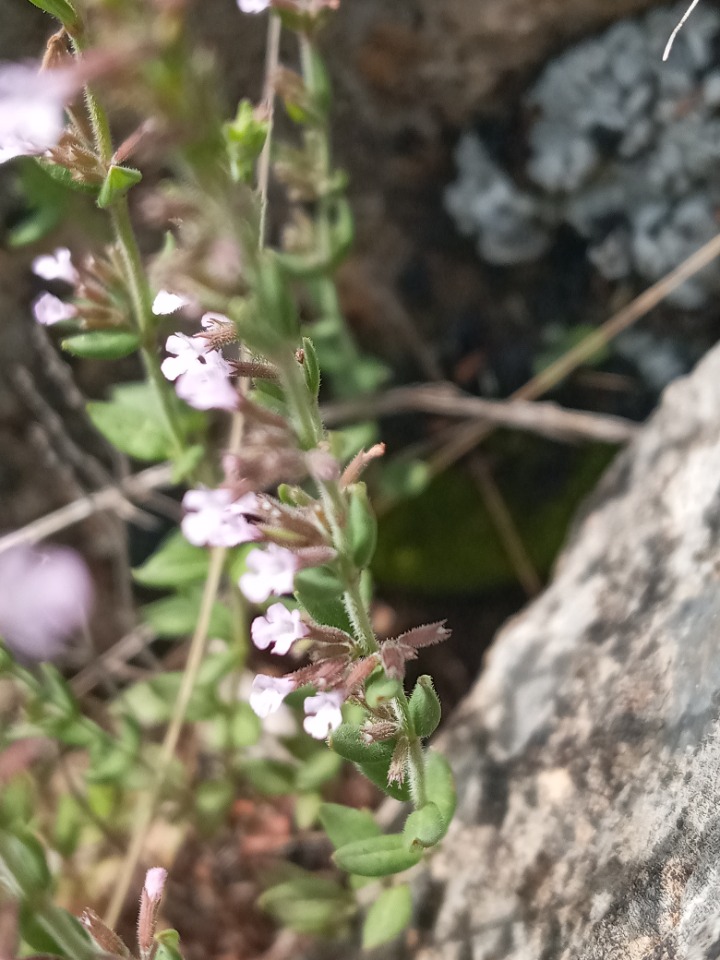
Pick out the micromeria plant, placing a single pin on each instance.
(282, 508)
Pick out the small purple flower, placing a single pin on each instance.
(186, 355)
(32, 108)
(270, 573)
(253, 6)
(268, 693)
(214, 518)
(56, 266)
(45, 595)
(166, 303)
(49, 309)
(206, 385)
(155, 883)
(279, 629)
(323, 714)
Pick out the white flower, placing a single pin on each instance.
(56, 266)
(214, 519)
(166, 303)
(268, 693)
(279, 628)
(207, 386)
(253, 6)
(186, 350)
(270, 573)
(32, 108)
(49, 309)
(323, 714)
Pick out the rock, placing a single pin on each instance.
(588, 753)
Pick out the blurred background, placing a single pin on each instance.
(520, 170)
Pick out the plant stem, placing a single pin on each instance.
(135, 275)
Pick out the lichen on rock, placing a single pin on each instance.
(622, 147)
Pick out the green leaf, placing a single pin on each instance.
(102, 344)
(322, 766)
(424, 827)
(277, 315)
(307, 808)
(377, 773)
(346, 824)
(387, 917)
(151, 702)
(61, 10)
(136, 430)
(347, 740)
(311, 367)
(213, 799)
(424, 706)
(187, 462)
(168, 945)
(176, 616)
(245, 137)
(320, 591)
(270, 777)
(175, 563)
(361, 526)
(117, 183)
(380, 690)
(440, 785)
(23, 868)
(376, 856)
(309, 904)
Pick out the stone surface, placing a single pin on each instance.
(588, 753)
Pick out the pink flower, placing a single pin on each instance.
(56, 266)
(214, 519)
(270, 572)
(32, 108)
(323, 714)
(166, 303)
(206, 385)
(155, 883)
(268, 693)
(279, 627)
(45, 594)
(202, 374)
(186, 355)
(253, 6)
(49, 309)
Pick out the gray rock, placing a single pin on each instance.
(588, 754)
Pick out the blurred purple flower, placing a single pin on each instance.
(279, 628)
(32, 108)
(323, 713)
(56, 266)
(213, 518)
(270, 573)
(49, 309)
(268, 693)
(45, 595)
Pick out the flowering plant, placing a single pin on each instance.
(279, 519)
